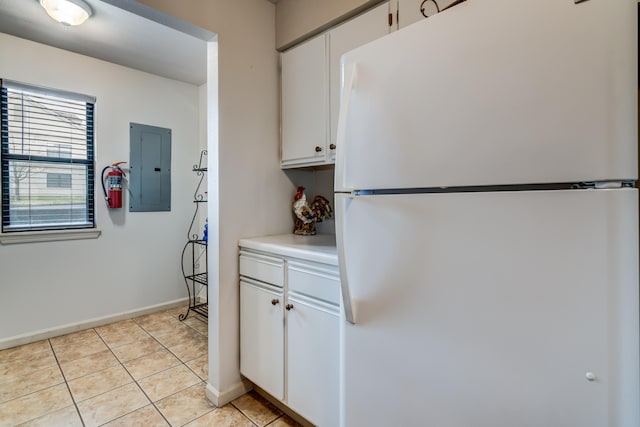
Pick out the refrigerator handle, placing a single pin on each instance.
(348, 79)
(342, 202)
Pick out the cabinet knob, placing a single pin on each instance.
(288, 307)
(275, 301)
(332, 146)
(318, 149)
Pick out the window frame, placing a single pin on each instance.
(46, 232)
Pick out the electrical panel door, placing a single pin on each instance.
(149, 168)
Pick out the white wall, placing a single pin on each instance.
(252, 194)
(135, 263)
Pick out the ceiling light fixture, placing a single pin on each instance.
(67, 12)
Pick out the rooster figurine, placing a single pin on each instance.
(307, 215)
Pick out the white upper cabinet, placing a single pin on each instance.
(343, 38)
(305, 103)
(310, 74)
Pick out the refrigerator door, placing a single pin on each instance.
(494, 92)
(491, 309)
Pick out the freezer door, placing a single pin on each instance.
(494, 92)
(491, 309)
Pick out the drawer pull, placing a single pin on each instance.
(318, 149)
(275, 301)
(332, 146)
(288, 307)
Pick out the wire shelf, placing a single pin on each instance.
(199, 278)
(201, 309)
(195, 248)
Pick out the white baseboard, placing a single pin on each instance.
(222, 398)
(87, 324)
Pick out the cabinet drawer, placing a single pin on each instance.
(315, 282)
(261, 267)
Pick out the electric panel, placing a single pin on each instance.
(149, 168)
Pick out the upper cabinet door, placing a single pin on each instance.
(354, 33)
(305, 103)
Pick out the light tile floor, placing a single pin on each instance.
(146, 371)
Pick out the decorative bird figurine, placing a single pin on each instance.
(307, 215)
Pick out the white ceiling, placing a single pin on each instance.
(124, 32)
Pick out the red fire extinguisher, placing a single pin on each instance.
(114, 183)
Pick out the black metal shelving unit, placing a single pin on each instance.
(194, 267)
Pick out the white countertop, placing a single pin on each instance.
(319, 248)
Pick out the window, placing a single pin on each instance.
(47, 158)
(58, 180)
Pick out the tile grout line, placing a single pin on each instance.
(181, 362)
(188, 367)
(66, 383)
(110, 349)
(230, 403)
(169, 350)
(131, 376)
(244, 415)
(273, 422)
(121, 363)
(185, 363)
(8, 362)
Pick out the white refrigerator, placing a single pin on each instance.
(487, 219)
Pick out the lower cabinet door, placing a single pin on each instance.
(262, 336)
(313, 360)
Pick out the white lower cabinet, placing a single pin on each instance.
(312, 360)
(289, 336)
(262, 336)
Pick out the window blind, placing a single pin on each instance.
(47, 158)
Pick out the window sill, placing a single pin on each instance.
(48, 236)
